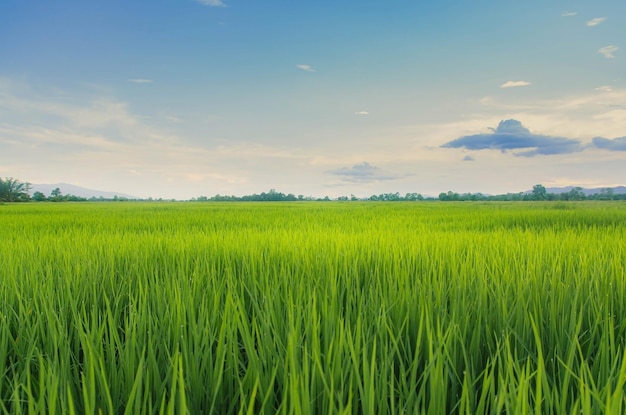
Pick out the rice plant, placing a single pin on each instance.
(313, 308)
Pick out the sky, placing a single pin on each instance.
(188, 98)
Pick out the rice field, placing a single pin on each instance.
(313, 308)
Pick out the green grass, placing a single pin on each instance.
(344, 308)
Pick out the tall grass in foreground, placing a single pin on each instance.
(313, 308)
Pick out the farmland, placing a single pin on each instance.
(373, 308)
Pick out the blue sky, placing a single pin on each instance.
(182, 98)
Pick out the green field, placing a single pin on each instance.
(372, 308)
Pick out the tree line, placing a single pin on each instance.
(539, 193)
(56, 196)
(12, 190)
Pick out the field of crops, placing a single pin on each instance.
(372, 308)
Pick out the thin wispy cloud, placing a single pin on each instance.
(596, 21)
(92, 115)
(569, 14)
(95, 135)
(141, 81)
(110, 121)
(604, 88)
(512, 135)
(608, 51)
(174, 119)
(514, 84)
(361, 113)
(212, 3)
(304, 67)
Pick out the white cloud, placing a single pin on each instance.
(35, 138)
(608, 51)
(96, 139)
(102, 141)
(141, 81)
(604, 88)
(304, 67)
(361, 113)
(596, 21)
(91, 115)
(569, 14)
(581, 116)
(513, 84)
(103, 124)
(212, 3)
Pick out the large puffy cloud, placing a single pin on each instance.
(512, 135)
(617, 144)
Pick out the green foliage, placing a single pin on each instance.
(271, 196)
(12, 190)
(57, 196)
(539, 192)
(39, 197)
(359, 308)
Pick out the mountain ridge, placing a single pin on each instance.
(72, 189)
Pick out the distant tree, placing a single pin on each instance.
(606, 194)
(576, 194)
(39, 197)
(539, 192)
(12, 190)
(449, 196)
(514, 197)
(74, 198)
(56, 195)
(413, 196)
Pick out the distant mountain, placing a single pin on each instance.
(70, 189)
(558, 190)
